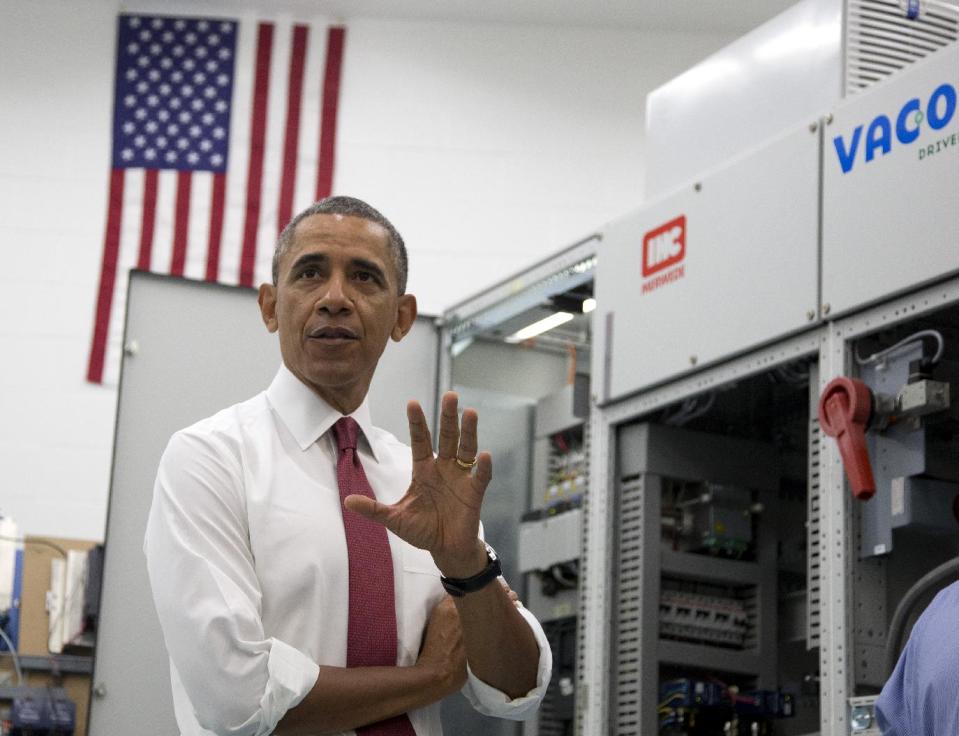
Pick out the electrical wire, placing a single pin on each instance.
(13, 653)
(690, 409)
(669, 699)
(35, 541)
(897, 626)
(710, 400)
(915, 337)
(559, 574)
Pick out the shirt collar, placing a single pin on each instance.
(308, 417)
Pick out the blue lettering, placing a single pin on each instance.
(939, 112)
(909, 110)
(945, 92)
(847, 158)
(879, 135)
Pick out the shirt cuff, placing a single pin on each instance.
(291, 676)
(492, 702)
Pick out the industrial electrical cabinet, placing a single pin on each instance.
(533, 398)
(847, 542)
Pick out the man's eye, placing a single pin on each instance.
(309, 273)
(363, 276)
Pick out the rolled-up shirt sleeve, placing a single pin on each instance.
(239, 681)
(492, 702)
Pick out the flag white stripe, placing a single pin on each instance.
(198, 227)
(165, 221)
(130, 227)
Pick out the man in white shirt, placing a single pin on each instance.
(246, 547)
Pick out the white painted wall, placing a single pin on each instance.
(489, 146)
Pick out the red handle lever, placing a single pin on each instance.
(844, 410)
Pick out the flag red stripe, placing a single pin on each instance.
(184, 182)
(292, 138)
(217, 202)
(254, 177)
(108, 275)
(149, 218)
(331, 97)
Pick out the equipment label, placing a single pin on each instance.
(664, 249)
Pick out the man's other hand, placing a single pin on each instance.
(441, 509)
(442, 651)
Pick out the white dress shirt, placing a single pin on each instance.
(248, 563)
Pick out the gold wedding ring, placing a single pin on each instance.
(465, 465)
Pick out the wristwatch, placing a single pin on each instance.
(459, 587)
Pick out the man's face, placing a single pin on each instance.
(335, 304)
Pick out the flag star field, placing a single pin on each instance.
(173, 92)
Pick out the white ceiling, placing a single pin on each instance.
(705, 16)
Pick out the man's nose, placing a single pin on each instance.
(335, 297)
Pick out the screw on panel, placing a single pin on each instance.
(693, 360)
(811, 315)
(825, 308)
(813, 127)
(829, 118)
(131, 348)
(100, 690)
(698, 186)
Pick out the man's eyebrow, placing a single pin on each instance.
(368, 266)
(308, 259)
(319, 259)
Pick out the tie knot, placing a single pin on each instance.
(346, 430)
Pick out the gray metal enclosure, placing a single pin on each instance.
(192, 349)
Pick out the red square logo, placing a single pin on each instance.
(665, 246)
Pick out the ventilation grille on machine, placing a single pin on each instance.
(813, 549)
(626, 685)
(583, 610)
(881, 39)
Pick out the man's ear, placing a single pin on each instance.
(405, 317)
(267, 301)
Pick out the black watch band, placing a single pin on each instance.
(461, 586)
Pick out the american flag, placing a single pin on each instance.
(222, 130)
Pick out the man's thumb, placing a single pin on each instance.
(367, 507)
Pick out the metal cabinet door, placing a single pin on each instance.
(890, 174)
(712, 270)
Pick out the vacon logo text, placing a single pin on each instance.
(663, 252)
(905, 128)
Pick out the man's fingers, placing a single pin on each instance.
(367, 507)
(449, 431)
(468, 442)
(484, 471)
(420, 441)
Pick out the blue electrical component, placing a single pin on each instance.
(46, 712)
(912, 9)
(765, 704)
(10, 618)
(689, 693)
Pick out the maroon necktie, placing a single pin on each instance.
(371, 632)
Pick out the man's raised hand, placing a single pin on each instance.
(441, 509)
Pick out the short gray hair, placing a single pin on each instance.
(352, 207)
